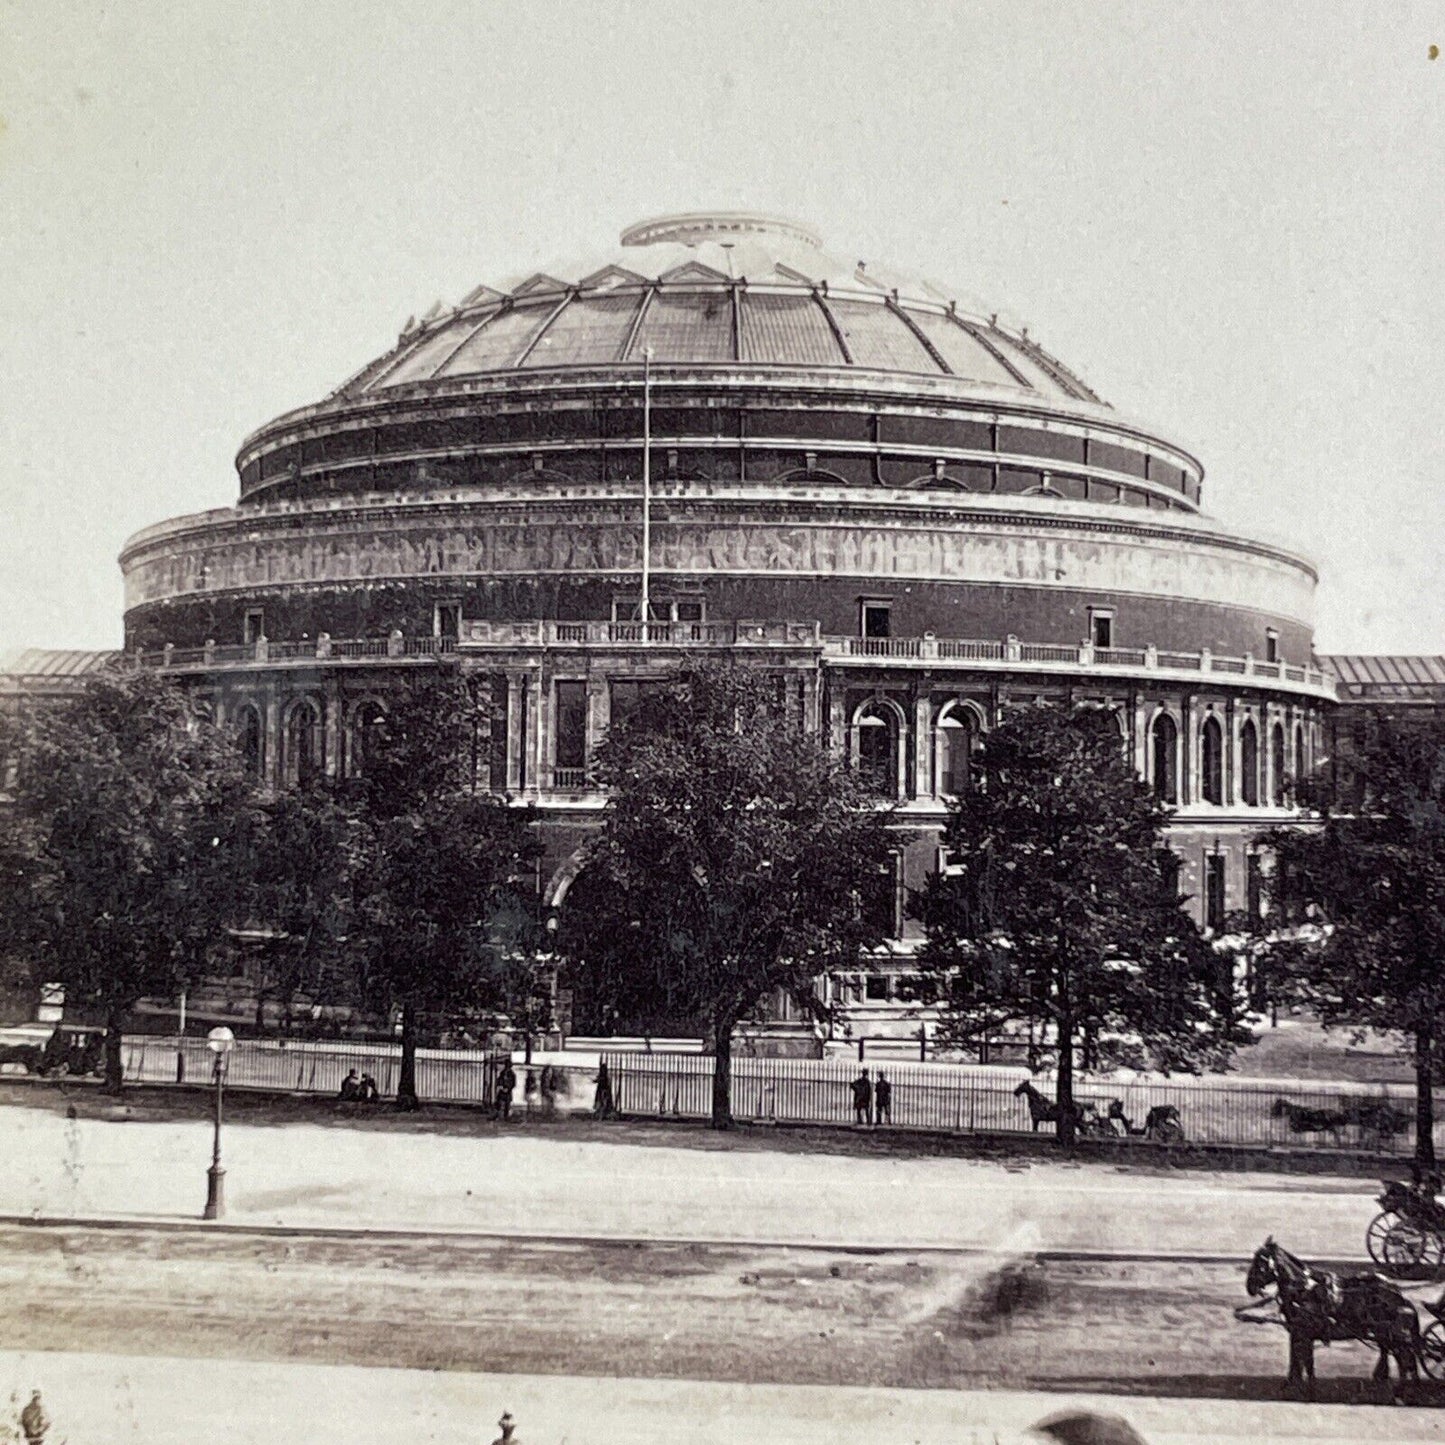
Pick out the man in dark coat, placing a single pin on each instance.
(862, 1098)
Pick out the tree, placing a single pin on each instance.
(450, 871)
(732, 861)
(1373, 867)
(309, 849)
(1055, 910)
(121, 850)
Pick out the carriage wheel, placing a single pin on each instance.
(1432, 1251)
(1405, 1247)
(1378, 1232)
(1432, 1351)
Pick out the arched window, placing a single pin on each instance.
(1164, 738)
(1211, 759)
(954, 751)
(365, 738)
(302, 742)
(252, 741)
(1300, 770)
(1278, 771)
(1249, 764)
(876, 731)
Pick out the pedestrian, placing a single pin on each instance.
(506, 1087)
(351, 1087)
(529, 1091)
(882, 1100)
(602, 1104)
(862, 1098)
(549, 1091)
(508, 1426)
(367, 1091)
(34, 1422)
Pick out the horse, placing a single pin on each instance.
(1375, 1116)
(1318, 1305)
(1042, 1110)
(1304, 1120)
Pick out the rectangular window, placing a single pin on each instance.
(687, 609)
(447, 621)
(1254, 889)
(1214, 892)
(255, 626)
(571, 731)
(1271, 646)
(876, 619)
(876, 987)
(1101, 627)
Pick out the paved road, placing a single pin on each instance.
(788, 1316)
(467, 1174)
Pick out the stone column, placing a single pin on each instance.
(837, 719)
(331, 730)
(599, 711)
(1188, 750)
(1230, 792)
(538, 722)
(271, 763)
(922, 744)
(812, 720)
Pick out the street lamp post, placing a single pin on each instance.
(220, 1042)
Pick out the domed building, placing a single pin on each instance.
(912, 514)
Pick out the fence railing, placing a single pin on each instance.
(945, 1098)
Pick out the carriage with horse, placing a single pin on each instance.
(1320, 1306)
(69, 1051)
(1161, 1124)
(1407, 1236)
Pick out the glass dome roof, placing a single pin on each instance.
(726, 289)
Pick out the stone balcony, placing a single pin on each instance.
(1010, 654)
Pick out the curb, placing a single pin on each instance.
(152, 1224)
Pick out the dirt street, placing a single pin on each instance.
(787, 1316)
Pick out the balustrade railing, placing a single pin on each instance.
(540, 633)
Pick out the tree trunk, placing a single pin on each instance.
(1064, 1095)
(114, 1059)
(406, 1082)
(1424, 1099)
(722, 1077)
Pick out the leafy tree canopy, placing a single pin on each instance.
(120, 849)
(1055, 912)
(1374, 870)
(733, 861)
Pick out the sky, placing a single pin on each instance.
(1226, 217)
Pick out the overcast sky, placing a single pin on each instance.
(1226, 217)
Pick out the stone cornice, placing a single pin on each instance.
(840, 388)
(857, 507)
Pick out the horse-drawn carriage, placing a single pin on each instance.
(1408, 1235)
(70, 1050)
(1320, 1306)
(1161, 1124)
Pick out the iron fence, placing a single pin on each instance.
(966, 1099)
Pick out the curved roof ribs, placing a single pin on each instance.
(637, 321)
(820, 298)
(542, 330)
(923, 341)
(993, 351)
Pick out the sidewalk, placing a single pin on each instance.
(308, 1176)
(94, 1399)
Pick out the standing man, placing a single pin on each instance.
(508, 1426)
(506, 1086)
(882, 1100)
(862, 1098)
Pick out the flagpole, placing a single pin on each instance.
(646, 491)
